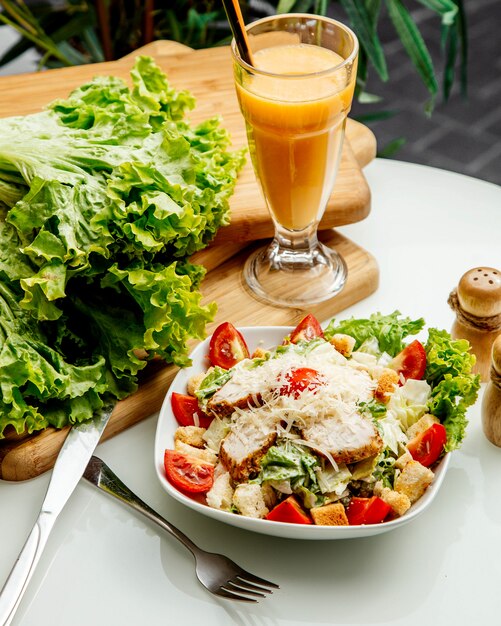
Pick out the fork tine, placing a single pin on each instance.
(237, 586)
(250, 578)
(247, 584)
(233, 596)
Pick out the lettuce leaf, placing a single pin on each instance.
(388, 330)
(170, 305)
(113, 171)
(213, 381)
(410, 401)
(32, 373)
(103, 197)
(288, 462)
(454, 387)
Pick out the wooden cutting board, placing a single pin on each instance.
(207, 73)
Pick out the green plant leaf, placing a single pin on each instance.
(72, 27)
(93, 45)
(463, 38)
(303, 6)
(415, 46)
(175, 26)
(285, 6)
(391, 148)
(376, 116)
(369, 98)
(450, 62)
(373, 9)
(444, 35)
(42, 41)
(362, 23)
(362, 73)
(446, 8)
(321, 7)
(22, 15)
(72, 54)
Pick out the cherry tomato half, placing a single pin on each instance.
(307, 329)
(185, 407)
(411, 362)
(367, 511)
(428, 445)
(187, 473)
(289, 511)
(227, 346)
(299, 379)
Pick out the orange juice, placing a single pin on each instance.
(295, 119)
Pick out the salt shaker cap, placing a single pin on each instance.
(479, 292)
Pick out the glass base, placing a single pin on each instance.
(292, 277)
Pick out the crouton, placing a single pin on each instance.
(248, 498)
(386, 384)
(192, 435)
(413, 480)
(402, 460)
(208, 456)
(220, 495)
(330, 515)
(194, 382)
(399, 502)
(421, 425)
(269, 495)
(259, 353)
(344, 344)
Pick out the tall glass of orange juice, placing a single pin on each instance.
(295, 98)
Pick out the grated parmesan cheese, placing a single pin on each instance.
(325, 418)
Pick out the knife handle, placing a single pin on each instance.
(23, 569)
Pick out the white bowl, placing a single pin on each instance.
(266, 336)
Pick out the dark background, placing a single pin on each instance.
(462, 135)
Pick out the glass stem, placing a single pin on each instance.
(300, 240)
(293, 250)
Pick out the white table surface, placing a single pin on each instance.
(105, 566)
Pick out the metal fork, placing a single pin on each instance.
(217, 573)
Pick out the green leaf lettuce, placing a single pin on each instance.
(454, 387)
(389, 330)
(104, 196)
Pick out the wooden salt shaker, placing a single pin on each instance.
(491, 402)
(477, 304)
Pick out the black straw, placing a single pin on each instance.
(236, 21)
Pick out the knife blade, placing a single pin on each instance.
(71, 462)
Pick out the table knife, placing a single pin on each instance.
(71, 462)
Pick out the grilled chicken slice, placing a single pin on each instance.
(222, 403)
(248, 441)
(236, 394)
(347, 437)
